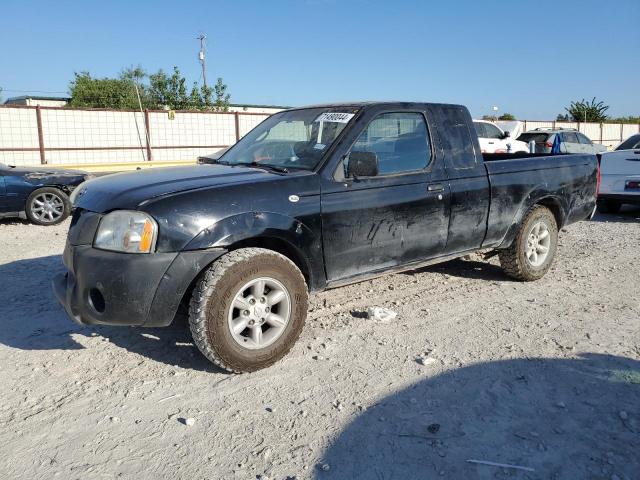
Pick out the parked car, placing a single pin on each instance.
(571, 140)
(620, 172)
(493, 140)
(631, 143)
(312, 198)
(39, 194)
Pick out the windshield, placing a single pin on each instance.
(632, 142)
(294, 139)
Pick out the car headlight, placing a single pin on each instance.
(126, 231)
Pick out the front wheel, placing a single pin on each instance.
(248, 309)
(48, 206)
(530, 255)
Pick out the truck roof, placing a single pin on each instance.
(361, 104)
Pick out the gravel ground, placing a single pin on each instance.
(543, 375)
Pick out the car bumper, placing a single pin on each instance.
(110, 288)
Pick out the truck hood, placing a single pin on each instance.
(131, 189)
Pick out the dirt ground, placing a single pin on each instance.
(543, 375)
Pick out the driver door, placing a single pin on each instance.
(396, 217)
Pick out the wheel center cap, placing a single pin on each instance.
(259, 310)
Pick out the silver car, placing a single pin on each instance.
(620, 173)
(571, 140)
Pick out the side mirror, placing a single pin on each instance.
(507, 134)
(362, 164)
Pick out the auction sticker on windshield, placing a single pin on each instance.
(336, 117)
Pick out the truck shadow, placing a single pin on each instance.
(32, 319)
(14, 221)
(466, 269)
(627, 214)
(561, 417)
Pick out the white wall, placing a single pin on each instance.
(73, 136)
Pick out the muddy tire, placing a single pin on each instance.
(609, 206)
(248, 309)
(530, 255)
(48, 206)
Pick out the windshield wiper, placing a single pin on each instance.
(266, 166)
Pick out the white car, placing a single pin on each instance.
(620, 176)
(494, 140)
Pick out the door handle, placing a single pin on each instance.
(435, 187)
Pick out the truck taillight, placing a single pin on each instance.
(599, 178)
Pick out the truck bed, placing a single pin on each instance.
(566, 182)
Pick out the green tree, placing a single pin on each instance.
(506, 116)
(221, 103)
(169, 91)
(195, 100)
(156, 91)
(87, 91)
(562, 117)
(587, 111)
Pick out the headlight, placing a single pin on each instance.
(125, 231)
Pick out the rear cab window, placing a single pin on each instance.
(456, 139)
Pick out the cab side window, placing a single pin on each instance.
(399, 140)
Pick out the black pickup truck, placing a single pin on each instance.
(312, 198)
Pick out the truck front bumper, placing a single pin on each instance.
(111, 288)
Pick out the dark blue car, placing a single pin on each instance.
(39, 193)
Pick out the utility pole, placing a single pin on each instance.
(202, 37)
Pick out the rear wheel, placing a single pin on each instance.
(609, 206)
(530, 255)
(48, 206)
(248, 309)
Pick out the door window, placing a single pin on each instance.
(570, 137)
(584, 139)
(480, 129)
(399, 140)
(492, 131)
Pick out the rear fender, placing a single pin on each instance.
(536, 197)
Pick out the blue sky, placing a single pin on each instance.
(528, 58)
